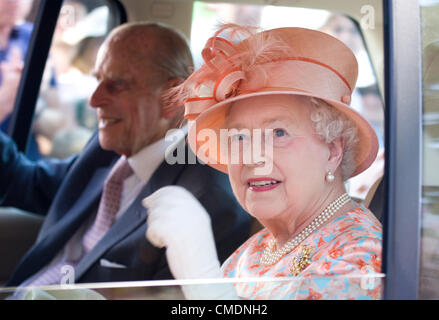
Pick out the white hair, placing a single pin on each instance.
(168, 48)
(331, 124)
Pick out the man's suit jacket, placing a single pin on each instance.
(68, 192)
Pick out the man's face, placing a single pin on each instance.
(127, 99)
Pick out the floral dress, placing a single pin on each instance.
(341, 260)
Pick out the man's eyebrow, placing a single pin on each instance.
(112, 76)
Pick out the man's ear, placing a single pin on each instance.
(336, 149)
(170, 105)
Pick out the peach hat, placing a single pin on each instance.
(293, 61)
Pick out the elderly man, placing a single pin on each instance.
(95, 226)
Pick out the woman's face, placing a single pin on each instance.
(296, 182)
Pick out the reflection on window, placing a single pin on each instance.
(64, 121)
(366, 98)
(429, 279)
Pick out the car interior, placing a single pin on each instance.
(197, 20)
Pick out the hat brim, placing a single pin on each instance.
(213, 118)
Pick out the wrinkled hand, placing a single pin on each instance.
(177, 221)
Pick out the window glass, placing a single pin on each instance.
(429, 279)
(16, 25)
(64, 121)
(286, 288)
(366, 99)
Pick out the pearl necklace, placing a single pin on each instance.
(270, 258)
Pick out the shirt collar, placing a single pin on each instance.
(148, 159)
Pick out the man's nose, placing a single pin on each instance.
(99, 97)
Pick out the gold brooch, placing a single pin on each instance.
(302, 260)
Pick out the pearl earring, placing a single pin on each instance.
(330, 177)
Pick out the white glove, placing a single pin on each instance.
(177, 221)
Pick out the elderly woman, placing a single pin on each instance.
(292, 87)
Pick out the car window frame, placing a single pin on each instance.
(403, 130)
(403, 143)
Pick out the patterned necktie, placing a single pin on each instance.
(108, 207)
(109, 204)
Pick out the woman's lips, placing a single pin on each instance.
(262, 184)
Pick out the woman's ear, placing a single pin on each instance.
(336, 148)
(170, 107)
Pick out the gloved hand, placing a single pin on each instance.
(177, 221)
